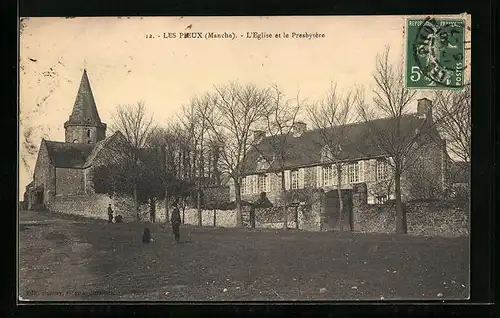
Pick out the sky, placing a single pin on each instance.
(125, 65)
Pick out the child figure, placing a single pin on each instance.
(146, 236)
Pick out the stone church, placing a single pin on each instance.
(63, 168)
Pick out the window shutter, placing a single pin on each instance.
(278, 181)
(319, 176)
(373, 169)
(287, 179)
(334, 175)
(361, 177)
(301, 178)
(268, 183)
(367, 169)
(255, 183)
(345, 174)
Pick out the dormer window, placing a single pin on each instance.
(262, 163)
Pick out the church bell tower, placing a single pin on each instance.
(84, 124)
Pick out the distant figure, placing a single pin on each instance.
(110, 214)
(176, 222)
(146, 236)
(152, 214)
(118, 219)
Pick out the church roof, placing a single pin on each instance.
(99, 146)
(68, 155)
(84, 109)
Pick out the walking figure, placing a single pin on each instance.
(176, 222)
(110, 214)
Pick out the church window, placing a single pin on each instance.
(88, 132)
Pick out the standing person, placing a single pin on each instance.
(176, 222)
(110, 214)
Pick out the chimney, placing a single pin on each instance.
(299, 128)
(258, 135)
(424, 109)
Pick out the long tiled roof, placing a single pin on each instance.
(306, 149)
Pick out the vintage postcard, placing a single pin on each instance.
(244, 158)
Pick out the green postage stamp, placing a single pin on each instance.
(435, 53)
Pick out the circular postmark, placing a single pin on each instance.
(438, 50)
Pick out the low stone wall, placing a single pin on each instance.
(374, 218)
(444, 218)
(272, 218)
(426, 218)
(223, 218)
(96, 205)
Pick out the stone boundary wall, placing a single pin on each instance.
(449, 219)
(425, 218)
(95, 206)
(271, 218)
(223, 218)
(375, 218)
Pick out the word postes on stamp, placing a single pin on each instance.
(435, 53)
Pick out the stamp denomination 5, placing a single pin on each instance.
(435, 53)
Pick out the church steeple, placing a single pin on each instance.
(84, 124)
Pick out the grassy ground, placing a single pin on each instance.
(67, 258)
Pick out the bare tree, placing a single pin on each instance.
(236, 110)
(330, 117)
(400, 145)
(138, 128)
(175, 144)
(452, 113)
(194, 120)
(280, 119)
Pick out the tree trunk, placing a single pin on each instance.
(198, 206)
(239, 211)
(136, 204)
(285, 199)
(152, 206)
(339, 192)
(399, 206)
(297, 217)
(165, 163)
(167, 219)
(183, 210)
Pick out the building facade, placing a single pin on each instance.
(306, 164)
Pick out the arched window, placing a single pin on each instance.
(88, 132)
(75, 140)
